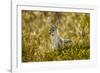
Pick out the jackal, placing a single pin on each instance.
(57, 42)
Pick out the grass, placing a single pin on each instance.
(36, 39)
(65, 54)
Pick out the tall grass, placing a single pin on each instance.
(36, 44)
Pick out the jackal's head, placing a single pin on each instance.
(53, 30)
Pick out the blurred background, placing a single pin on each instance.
(36, 38)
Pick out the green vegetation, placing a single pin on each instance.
(36, 38)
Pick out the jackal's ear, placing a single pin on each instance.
(56, 23)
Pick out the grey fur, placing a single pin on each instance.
(56, 41)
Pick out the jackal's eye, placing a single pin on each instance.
(51, 31)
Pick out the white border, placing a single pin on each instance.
(18, 66)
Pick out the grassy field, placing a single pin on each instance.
(36, 38)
